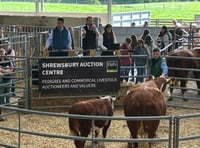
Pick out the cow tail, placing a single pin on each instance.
(141, 130)
(74, 127)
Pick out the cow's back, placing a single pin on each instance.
(97, 107)
(147, 101)
(144, 102)
(92, 107)
(196, 53)
(180, 62)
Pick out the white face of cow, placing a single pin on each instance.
(111, 99)
(166, 91)
(165, 87)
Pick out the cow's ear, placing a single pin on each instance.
(151, 77)
(171, 81)
(114, 98)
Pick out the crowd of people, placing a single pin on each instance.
(142, 53)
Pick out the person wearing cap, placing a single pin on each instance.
(158, 66)
(59, 40)
(6, 69)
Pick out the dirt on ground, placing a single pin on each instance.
(118, 129)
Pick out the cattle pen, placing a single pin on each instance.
(28, 128)
(28, 124)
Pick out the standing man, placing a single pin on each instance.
(158, 64)
(60, 40)
(166, 38)
(89, 34)
(11, 56)
(6, 68)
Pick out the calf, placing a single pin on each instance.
(82, 127)
(145, 99)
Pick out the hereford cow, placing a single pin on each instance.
(187, 63)
(145, 99)
(97, 107)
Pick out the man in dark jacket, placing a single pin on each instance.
(89, 34)
(60, 40)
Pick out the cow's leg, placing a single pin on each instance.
(84, 132)
(105, 128)
(133, 128)
(198, 86)
(143, 134)
(97, 131)
(176, 83)
(151, 130)
(79, 144)
(171, 91)
(183, 84)
(197, 76)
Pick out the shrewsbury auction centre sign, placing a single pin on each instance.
(79, 75)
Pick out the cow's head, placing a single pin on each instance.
(163, 85)
(111, 99)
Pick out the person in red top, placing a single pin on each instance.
(125, 60)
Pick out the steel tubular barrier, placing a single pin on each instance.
(20, 130)
(177, 122)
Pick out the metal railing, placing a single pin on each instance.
(20, 130)
(25, 59)
(173, 139)
(177, 122)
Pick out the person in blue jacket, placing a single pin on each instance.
(59, 40)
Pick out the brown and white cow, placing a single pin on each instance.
(191, 61)
(145, 99)
(96, 107)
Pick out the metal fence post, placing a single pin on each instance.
(19, 129)
(27, 75)
(170, 132)
(36, 6)
(93, 133)
(176, 132)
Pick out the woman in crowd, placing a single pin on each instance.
(146, 34)
(125, 49)
(133, 45)
(141, 60)
(134, 41)
(148, 40)
(109, 39)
